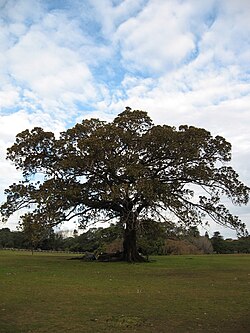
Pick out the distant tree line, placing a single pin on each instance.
(155, 239)
(221, 245)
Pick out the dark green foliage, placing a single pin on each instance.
(151, 236)
(6, 238)
(218, 242)
(193, 232)
(241, 245)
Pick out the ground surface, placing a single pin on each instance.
(48, 293)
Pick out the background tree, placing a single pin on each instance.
(193, 232)
(202, 243)
(35, 231)
(151, 236)
(243, 245)
(128, 170)
(219, 244)
(6, 238)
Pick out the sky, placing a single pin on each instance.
(182, 61)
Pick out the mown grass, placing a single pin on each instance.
(48, 293)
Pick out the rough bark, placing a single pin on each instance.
(130, 252)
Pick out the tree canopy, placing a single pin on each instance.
(128, 169)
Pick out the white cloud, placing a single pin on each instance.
(9, 96)
(110, 16)
(49, 58)
(157, 39)
(19, 121)
(228, 37)
(22, 10)
(167, 33)
(49, 70)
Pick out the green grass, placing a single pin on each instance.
(174, 294)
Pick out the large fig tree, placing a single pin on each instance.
(128, 170)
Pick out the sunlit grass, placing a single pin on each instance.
(48, 293)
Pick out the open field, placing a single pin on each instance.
(174, 294)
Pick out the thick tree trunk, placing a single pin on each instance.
(130, 252)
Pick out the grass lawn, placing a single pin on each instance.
(173, 294)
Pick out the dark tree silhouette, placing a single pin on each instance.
(129, 170)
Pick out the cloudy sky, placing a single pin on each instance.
(183, 61)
